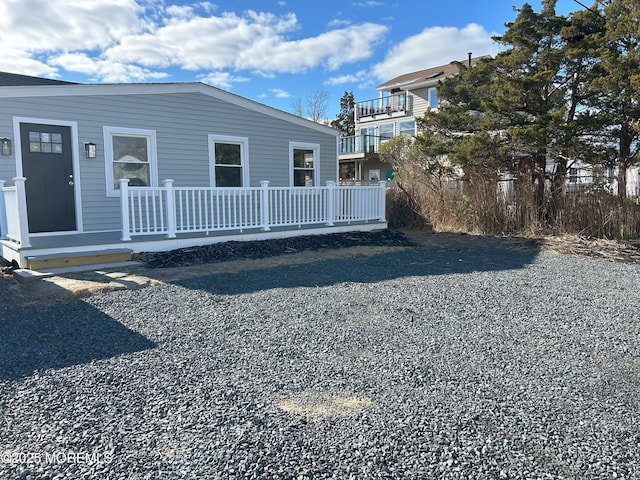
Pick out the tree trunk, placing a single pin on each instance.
(624, 160)
(557, 190)
(537, 178)
(622, 181)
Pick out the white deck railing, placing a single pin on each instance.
(13, 212)
(170, 210)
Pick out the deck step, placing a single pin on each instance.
(74, 259)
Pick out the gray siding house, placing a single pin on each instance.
(160, 166)
(401, 101)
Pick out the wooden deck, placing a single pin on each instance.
(92, 242)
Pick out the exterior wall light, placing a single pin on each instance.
(90, 149)
(5, 146)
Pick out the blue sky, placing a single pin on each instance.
(276, 52)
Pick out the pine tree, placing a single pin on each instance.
(345, 120)
(617, 90)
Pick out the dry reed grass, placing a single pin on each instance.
(477, 206)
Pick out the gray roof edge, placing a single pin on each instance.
(71, 89)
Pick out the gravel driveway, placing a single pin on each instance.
(433, 362)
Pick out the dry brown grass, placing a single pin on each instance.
(476, 207)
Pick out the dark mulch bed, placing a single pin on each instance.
(233, 250)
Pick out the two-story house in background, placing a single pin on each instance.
(407, 97)
(401, 101)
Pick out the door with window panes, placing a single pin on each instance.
(47, 164)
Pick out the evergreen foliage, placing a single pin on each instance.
(563, 89)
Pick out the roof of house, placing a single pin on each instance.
(42, 87)
(16, 80)
(422, 77)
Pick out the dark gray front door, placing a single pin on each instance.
(47, 163)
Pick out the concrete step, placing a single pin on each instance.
(75, 259)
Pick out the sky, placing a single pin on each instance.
(276, 52)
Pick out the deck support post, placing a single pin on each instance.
(383, 201)
(23, 221)
(331, 211)
(171, 208)
(264, 205)
(124, 209)
(3, 212)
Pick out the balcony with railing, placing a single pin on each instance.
(386, 105)
(359, 146)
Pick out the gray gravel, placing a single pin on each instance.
(428, 363)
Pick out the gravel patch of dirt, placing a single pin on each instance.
(450, 361)
(169, 267)
(177, 265)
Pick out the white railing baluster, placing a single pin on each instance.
(171, 208)
(124, 209)
(193, 218)
(139, 215)
(224, 210)
(264, 192)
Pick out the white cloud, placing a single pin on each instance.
(254, 41)
(368, 4)
(124, 40)
(224, 80)
(31, 28)
(105, 71)
(348, 78)
(32, 25)
(339, 23)
(331, 49)
(435, 46)
(280, 93)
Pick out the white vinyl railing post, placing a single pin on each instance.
(331, 190)
(383, 200)
(23, 221)
(171, 208)
(4, 229)
(264, 205)
(124, 209)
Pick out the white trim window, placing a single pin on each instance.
(304, 162)
(407, 128)
(385, 131)
(228, 164)
(130, 153)
(433, 99)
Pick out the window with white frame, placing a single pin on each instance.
(228, 156)
(130, 153)
(407, 128)
(573, 175)
(433, 98)
(385, 131)
(304, 160)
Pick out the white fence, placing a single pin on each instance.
(170, 210)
